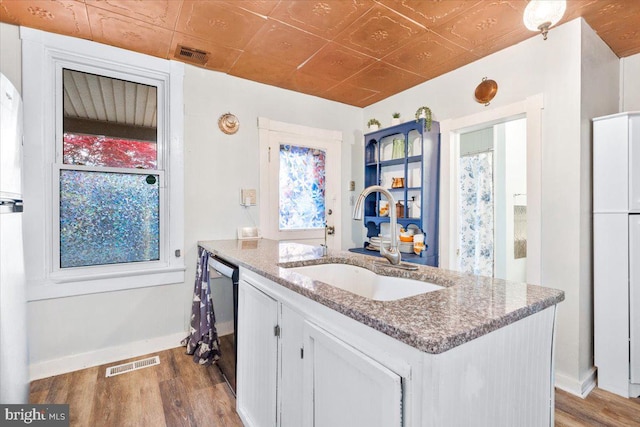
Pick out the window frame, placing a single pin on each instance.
(45, 55)
(69, 272)
(273, 133)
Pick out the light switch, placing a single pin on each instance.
(248, 197)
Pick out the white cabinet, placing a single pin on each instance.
(634, 299)
(328, 370)
(270, 335)
(344, 387)
(616, 252)
(279, 349)
(257, 357)
(616, 163)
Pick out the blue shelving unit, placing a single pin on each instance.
(418, 164)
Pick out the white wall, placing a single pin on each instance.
(217, 166)
(600, 82)
(553, 68)
(630, 83)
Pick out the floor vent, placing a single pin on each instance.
(191, 55)
(133, 366)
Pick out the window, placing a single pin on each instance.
(106, 198)
(109, 202)
(301, 188)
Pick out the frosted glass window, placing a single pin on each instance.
(301, 188)
(108, 218)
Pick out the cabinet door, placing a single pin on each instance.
(611, 300)
(290, 378)
(344, 387)
(257, 357)
(634, 163)
(634, 296)
(610, 165)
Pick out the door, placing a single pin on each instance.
(300, 184)
(257, 368)
(634, 296)
(344, 387)
(291, 365)
(492, 201)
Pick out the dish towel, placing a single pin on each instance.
(202, 341)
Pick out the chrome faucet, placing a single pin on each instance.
(392, 254)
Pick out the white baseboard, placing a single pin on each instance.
(224, 328)
(101, 356)
(578, 388)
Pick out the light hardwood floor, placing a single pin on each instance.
(179, 392)
(600, 408)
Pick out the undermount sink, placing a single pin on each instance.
(365, 283)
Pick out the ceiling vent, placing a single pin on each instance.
(192, 55)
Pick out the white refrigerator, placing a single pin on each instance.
(14, 359)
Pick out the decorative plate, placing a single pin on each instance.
(228, 123)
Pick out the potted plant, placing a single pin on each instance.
(395, 119)
(424, 113)
(373, 124)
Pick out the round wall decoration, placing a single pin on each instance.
(228, 123)
(485, 91)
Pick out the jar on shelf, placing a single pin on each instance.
(398, 148)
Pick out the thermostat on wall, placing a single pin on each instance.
(248, 197)
(248, 233)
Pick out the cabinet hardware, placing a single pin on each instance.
(276, 330)
(301, 352)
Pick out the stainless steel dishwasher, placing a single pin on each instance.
(219, 268)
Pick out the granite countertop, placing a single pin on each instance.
(466, 308)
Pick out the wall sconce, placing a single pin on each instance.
(540, 15)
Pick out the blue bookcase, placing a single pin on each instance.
(405, 160)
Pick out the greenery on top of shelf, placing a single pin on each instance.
(427, 117)
(373, 122)
(396, 115)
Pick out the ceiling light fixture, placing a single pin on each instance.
(540, 15)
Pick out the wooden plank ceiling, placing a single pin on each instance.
(353, 51)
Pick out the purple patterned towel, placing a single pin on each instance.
(202, 341)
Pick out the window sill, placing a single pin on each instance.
(50, 289)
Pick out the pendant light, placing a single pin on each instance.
(540, 15)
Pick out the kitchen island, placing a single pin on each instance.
(478, 351)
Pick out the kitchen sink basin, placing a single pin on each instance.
(365, 283)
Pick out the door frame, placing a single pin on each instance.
(268, 130)
(450, 130)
